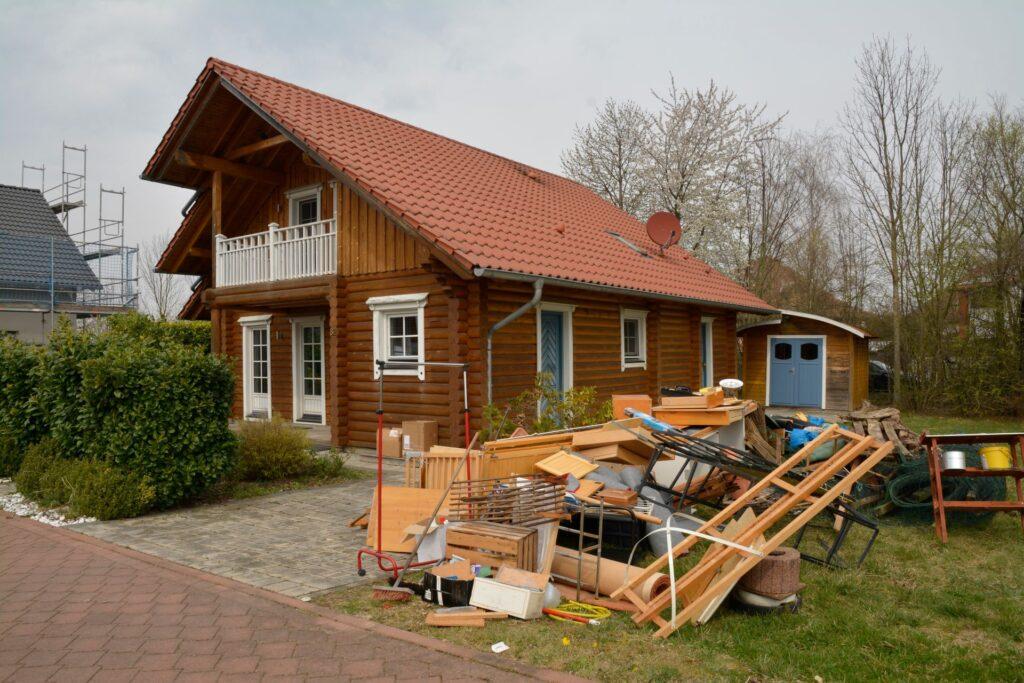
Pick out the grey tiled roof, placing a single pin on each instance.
(27, 225)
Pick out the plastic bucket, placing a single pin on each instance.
(954, 460)
(995, 457)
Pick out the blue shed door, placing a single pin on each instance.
(552, 346)
(796, 372)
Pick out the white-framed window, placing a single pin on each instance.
(633, 338)
(398, 333)
(304, 205)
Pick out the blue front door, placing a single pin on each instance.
(552, 346)
(796, 372)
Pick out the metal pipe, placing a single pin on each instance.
(538, 289)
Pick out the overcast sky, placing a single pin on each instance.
(511, 77)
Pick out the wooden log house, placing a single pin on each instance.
(326, 236)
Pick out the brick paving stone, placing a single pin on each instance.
(225, 630)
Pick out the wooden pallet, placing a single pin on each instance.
(721, 566)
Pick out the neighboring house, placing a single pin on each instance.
(328, 236)
(42, 273)
(805, 360)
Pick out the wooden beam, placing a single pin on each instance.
(217, 203)
(246, 150)
(205, 162)
(199, 252)
(313, 294)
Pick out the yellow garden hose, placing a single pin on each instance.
(580, 612)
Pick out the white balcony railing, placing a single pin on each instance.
(304, 250)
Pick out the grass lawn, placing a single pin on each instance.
(915, 610)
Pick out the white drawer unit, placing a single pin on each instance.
(523, 603)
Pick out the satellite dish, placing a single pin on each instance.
(663, 229)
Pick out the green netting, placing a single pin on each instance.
(910, 490)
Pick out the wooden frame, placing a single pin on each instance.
(704, 583)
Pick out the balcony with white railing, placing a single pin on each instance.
(305, 250)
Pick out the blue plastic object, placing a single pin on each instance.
(798, 437)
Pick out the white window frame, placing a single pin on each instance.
(567, 344)
(297, 359)
(708, 320)
(640, 316)
(397, 304)
(248, 324)
(768, 364)
(299, 194)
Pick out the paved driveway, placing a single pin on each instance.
(293, 543)
(73, 608)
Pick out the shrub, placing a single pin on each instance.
(330, 465)
(273, 449)
(21, 421)
(100, 490)
(542, 408)
(161, 412)
(59, 386)
(135, 327)
(34, 466)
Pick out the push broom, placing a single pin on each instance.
(397, 592)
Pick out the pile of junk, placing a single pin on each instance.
(576, 523)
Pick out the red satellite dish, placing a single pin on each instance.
(663, 229)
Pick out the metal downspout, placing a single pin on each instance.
(538, 288)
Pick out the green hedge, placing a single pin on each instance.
(160, 412)
(21, 422)
(143, 403)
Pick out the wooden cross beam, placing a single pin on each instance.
(205, 162)
(259, 146)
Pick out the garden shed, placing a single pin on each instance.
(805, 360)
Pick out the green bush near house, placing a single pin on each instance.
(542, 408)
(272, 450)
(100, 490)
(116, 420)
(161, 413)
(39, 457)
(21, 421)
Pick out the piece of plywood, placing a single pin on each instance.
(401, 507)
(609, 437)
(472, 620)
(563, 462)
(522, 578)
(614, 453)
(587, 488)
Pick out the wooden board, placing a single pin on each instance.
(562, 463)
(522, 578)
(588, 488)
(611, 437)
(402, 507)
(614, 453)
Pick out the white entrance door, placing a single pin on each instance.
(308, 360)
(257, 371)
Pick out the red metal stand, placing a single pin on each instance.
(377, 552)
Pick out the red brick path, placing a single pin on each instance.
(72, 608)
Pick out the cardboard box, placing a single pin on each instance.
(620, 402)
(392, 442)
(449, 584)
(419, 435)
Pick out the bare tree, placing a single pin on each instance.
(702, 150)
(769, 206)
(162, 295)
(999, 190)
(609, 155)
(887, 124)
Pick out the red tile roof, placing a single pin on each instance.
(484, 210)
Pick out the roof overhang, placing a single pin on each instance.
(609, 289)
(856, 331)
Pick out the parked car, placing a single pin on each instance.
(879, 376)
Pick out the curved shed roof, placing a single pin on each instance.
(856, 331)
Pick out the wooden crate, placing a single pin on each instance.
(495, 545)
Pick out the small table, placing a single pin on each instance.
(1015, 440)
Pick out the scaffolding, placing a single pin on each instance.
(101, 243)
